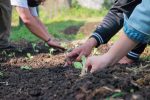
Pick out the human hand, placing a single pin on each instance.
(78, 52)
(96, 63)
(55, 45)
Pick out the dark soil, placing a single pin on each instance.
(49, 80)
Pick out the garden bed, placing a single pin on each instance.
(49, 80)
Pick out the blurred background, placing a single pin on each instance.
(65, 19)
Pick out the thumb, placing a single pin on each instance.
(88, 64)
(93, 69)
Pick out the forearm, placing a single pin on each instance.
(120, 49)
(41, 24)
(32, 24)
(110, 25)
(113, 21)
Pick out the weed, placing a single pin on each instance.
(26, 68)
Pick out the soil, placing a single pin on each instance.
(50, 80)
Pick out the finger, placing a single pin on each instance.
(67, 64)
(93, 69)
(88, 64)
(80, 56)
(72, 54)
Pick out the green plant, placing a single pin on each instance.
(11, 54)
(34, 47)
(51, 51)
(29, 56)
(1, 74)
(115, 95)
(81, 65)
(4, 52)
(77, 65)
(26, 68)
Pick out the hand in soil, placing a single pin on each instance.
(55, 45)
(77, 53)
(96, 63)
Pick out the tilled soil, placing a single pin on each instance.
(49, 80)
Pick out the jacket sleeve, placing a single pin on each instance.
(113, 21)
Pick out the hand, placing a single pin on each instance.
(55, 44)
(85, 50)
(96, 63)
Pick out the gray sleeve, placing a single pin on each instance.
(113, 21)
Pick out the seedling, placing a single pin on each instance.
(26, 68)
(77, 65)
(12, 54)
(115, 95)
(81, 65)
(34, 47)
(1, 74)
(4, 52)
(51, 51)
(29, 56)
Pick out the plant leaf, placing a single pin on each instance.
(26, 67)
(118, 94)
(84, 69)
(1, 74)
(77, 65)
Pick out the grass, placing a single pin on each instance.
(76, 16)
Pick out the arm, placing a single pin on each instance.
(32, 24)
(116, 52)
(113, 21)
(36, 26)
(111, 24)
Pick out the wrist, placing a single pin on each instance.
(48, 40)
(91, 42)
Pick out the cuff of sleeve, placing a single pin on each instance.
(98, 38)
(133, 56)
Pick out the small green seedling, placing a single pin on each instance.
(51, 51)
(77, 65)
(29, 56)
(4, 52)
(26, 68)
(34, 47)
(1, 74)
(81, 65)
(115, 95)
(11, 54)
